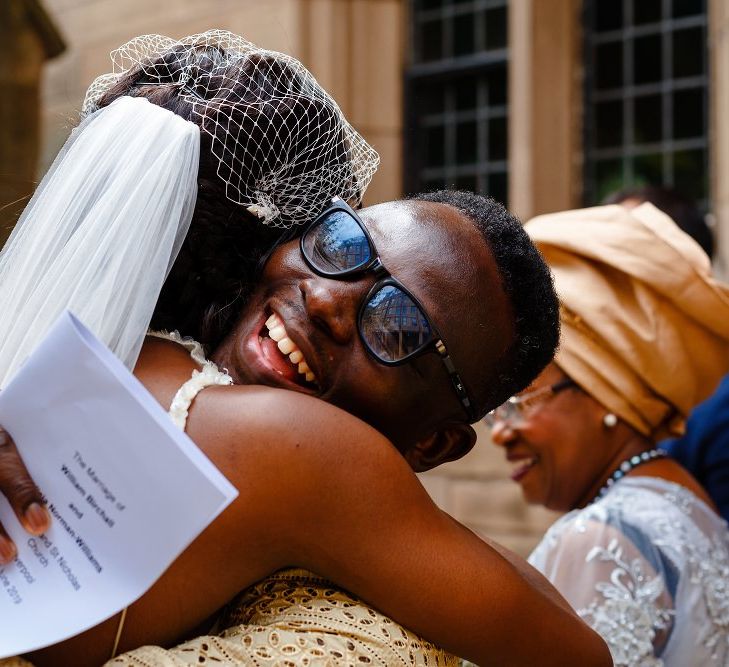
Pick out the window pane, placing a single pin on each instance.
(463, 35)
(608, 15)
(688, 113)
(457, 128)
(646, 95)
(466, 93)
(688, 52)
(430, 4)
(648, 169)
(434, 146)
(495, 28)
(646, 11)
(431, 100)
(608, 177)
(497, 87)
(609, 65)
(688, 7)
(690, 174)
(609, 124)
(466, 143)
(647, 65)
(498, 139)
(648, 119)
(431, 40)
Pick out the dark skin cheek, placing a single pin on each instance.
(387, 397)
(579, 451)
(357, 398)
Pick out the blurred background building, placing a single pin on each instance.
(544, 104)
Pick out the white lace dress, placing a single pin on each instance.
(647, 566)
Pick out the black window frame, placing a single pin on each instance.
(482, 63)
(630, 148)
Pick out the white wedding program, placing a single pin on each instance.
(126, 489)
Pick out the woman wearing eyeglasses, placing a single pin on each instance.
(641, 555)
(333, 317)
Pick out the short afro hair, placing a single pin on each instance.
(528, 284)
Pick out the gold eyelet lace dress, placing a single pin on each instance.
(291, 618)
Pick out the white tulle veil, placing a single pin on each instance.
(101, 232)
(107, 221)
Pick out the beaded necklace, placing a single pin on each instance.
(626, 466)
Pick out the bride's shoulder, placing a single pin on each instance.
(295, 443)
(163, 367)
(160, 351)
(302, 467)
(282, 417)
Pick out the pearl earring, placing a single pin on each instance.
(609, 420)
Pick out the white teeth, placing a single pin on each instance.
(526, 462)
(306, 371)
(277, 333)
(286, 345)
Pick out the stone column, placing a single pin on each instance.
(545, 106)
(27, 40)
(356, 48)
(719, 128)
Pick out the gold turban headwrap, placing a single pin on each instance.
(645, 327)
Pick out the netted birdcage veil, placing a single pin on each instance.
(282, 145)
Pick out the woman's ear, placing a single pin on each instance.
(447, 444)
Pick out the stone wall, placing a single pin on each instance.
(28, 39)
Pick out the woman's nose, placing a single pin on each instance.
(502, 432)
(333, 305)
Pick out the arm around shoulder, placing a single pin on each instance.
(320, 489)
(344, 504)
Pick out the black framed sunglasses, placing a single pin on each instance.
(392, 323)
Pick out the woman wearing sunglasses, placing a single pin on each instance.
(335, 317)
(642, 555)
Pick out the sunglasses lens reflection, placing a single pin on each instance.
(337, 244)
(392, 325)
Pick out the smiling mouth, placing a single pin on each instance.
(283, 354)
(523, 467)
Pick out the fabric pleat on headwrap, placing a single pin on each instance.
(645, 326)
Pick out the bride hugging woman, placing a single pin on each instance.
(150, 215)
